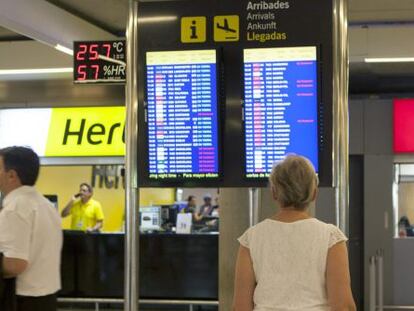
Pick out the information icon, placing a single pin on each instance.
(193, 29)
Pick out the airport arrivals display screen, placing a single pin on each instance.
(182, 115)
(280, 106)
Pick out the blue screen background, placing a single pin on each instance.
(183, 120)
(281, 111)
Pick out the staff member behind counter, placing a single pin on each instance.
(207, 209)
(87, 214)
(191, 205)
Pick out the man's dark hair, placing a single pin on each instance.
(24, 161)
(90, 189)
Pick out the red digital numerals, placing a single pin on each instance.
(107, 46)
(88, 53)
(81, 72)
(82, 51)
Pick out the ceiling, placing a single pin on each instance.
(8, 35)
(380, 11)
(390, 16)
(111, 16)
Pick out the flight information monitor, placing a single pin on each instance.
(280, 106)
(182, 115)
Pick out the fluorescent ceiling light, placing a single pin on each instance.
(34, 71)
(63, 49)
(157, 19)
(389, 60)
(112, 60)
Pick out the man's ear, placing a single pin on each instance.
(12, 174)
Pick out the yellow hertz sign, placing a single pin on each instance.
(92, 131)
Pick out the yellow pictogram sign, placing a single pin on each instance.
(193, 29)
(226, 28)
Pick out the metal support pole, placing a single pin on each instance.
(131, 182)
(372, 284)
(96, 306)
(254, 194)
(380, 274)
(340, 113)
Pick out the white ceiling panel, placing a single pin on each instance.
(381, 10)
(110, 15)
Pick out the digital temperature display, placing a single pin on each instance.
(99, 61)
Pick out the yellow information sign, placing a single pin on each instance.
(193, 29)
(226, 28)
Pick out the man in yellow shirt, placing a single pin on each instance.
(86, 212)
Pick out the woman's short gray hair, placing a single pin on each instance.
(294, 181)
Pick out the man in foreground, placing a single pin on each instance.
(30, 232)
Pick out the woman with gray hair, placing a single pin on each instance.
(292, 261)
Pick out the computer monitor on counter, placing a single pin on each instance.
(150, 218)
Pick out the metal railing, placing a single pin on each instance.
(376, 281)
(98, 301)
(376, 285)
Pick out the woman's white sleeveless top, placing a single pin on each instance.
(289, 262)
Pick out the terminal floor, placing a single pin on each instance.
(142, 308)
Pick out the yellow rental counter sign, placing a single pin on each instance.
(65, 132)
(97, 131)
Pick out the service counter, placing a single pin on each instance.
(403, 272)
(172, 266)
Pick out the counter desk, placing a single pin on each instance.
(172, 266)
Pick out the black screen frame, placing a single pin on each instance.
(324, 124)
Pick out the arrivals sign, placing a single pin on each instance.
(65, 132)
(259, 21)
